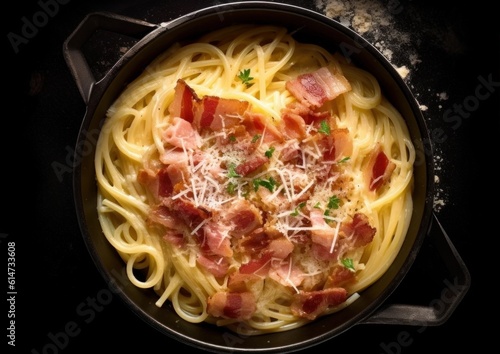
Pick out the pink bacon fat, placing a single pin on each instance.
(315, 88)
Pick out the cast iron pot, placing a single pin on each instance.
(307, 26)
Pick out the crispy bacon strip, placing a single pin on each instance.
(211, 112)
(181, 134)
(217, 113)
(243, 217)
(216, 265)
(358, 232)
(378, 169)
(310, 304)
(240, 306)
(217, 239)
(250, 165)
(184, 101)
(258, 124)
(314, 89)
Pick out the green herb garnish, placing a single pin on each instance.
(245, 77)
(231, 188)
(333, 202)
(231, 171)
(324, 127)
(349, 264)
(269, 184)
(270, 151)
(345, 159)
(255, 138)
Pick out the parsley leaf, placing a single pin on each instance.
(245, 77)
(255, 138)
(333, 202)
(231, 170)
(345, 159)
(348, 263)
(269, 184)
(231, 188)
(270, 151)
(324, 127)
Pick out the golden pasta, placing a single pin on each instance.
(251, 179)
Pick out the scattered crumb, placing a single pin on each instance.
(439, 193)
(375, 22)
(403, 71)
(443, 96)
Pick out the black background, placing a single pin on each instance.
(55, 275)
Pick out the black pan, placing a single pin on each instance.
(308, 26)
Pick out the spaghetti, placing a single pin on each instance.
(251, 179)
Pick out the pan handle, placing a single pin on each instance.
(72, 47)
(442, 307)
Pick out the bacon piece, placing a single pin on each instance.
(158, 182)
(239, 306)
(354, 234)
(184, 101)
(243, 217)
(219, 113)
(149, 179)
(291, 152)
(173, 156)
(281, 247)
(211, 112)
(287, 274)
(321, 233)
(253, 243)
(250, 165)
(239, 282)
(174, 238)
(181, 134)
(293, 125)
(216, 265)
(358, 232)
(342, 144)
(258, 124)
(314, 89)
(163, 216)
(324, 253)
(311, 304)
(296, 109)
(340, 277)
(217, 239)
(258, 266)
(187, 211)
(378, 169)
(177, 173)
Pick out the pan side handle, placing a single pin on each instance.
(440, 309)
(72, 47)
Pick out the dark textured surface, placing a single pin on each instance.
(60, 289)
